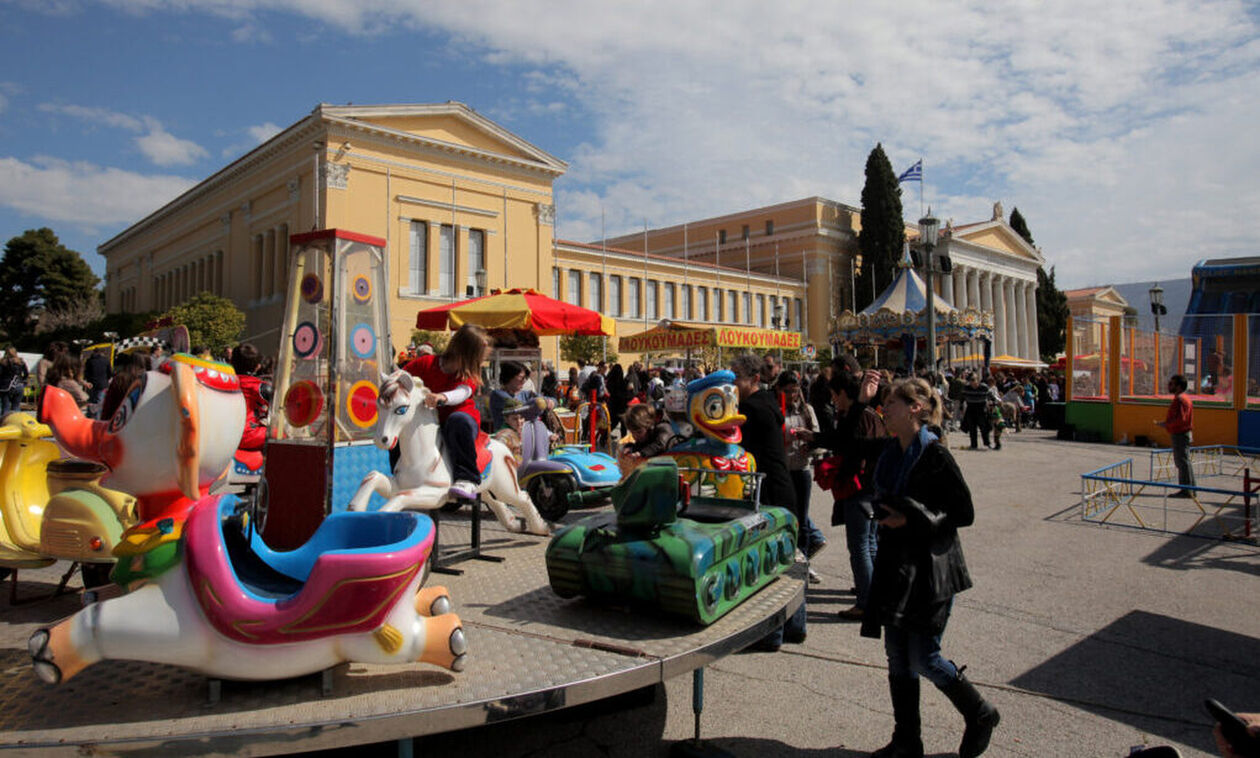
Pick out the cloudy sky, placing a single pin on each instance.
(1124, 131)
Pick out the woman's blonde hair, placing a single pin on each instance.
(464, 352)
(918, 391)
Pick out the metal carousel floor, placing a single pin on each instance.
(530, 652)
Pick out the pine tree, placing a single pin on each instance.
(1052, 316)
(883, 229)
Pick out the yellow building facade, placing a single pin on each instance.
(462, 203)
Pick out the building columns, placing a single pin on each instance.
(998, 301)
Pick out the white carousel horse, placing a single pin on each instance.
(422, 477)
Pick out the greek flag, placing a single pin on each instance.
(912, 174)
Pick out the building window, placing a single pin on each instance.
(446, 261)
(614, 295)
(748, 311)
(595, 292)
(769, 227)
(744, 232)
(761, 310)
(702, 299)
(732, 305)
(721, 236)
(651, 292)
(476, 259)
(684, 302)
(717, 305)
(632, 307)
(555, 282)
(575, 286)
(669, 300)
(797, 320)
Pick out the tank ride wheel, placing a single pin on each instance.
(550, 494)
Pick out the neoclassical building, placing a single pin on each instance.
(813, 241)
(465, 205)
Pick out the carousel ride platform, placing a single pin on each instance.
(530, 652)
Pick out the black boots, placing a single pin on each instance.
(980, 715)
(906, 740)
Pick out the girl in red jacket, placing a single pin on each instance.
(452, 379)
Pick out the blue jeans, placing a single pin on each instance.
(810, 536)
(859, 534)
(459, 432)
(914, 654)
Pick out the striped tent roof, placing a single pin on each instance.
(902, 309)
(907, 293)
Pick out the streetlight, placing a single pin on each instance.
(929, 225)
(1157, 304)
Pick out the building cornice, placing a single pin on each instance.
(254, 161)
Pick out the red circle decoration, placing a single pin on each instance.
(361, 404)
(362, 289)
(306, 340)
(312, 289)
(303, 403)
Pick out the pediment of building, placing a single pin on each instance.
(999, 236)
(448, 124)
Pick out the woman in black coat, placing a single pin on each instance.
(921, 502)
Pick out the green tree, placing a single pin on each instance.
(39, 275)
(1020, 226)
(437, 339)
(589, 349)
(883, 229)
(1052, 316)
(1052, 309)
(212, 321)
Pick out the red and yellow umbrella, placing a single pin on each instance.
(525, 309)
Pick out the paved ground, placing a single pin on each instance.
(1090, 639)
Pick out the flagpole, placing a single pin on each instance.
(645, 272)
(921, 213)
(748, 277)
(604, 268)
(686, 315)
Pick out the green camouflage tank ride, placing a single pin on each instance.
(697, 557)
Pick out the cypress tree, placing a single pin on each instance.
(883, 229)
(1052, 308)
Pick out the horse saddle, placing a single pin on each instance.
(344, 580)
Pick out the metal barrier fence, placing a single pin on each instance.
(1159, 503)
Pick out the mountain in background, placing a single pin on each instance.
(1176, 300)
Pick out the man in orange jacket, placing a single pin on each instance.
(1178, 422)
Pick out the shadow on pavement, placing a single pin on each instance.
(1153, 673)
(1186, 552)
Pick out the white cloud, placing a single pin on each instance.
(1122, 130)
(83, 193)
(165, 149)
(157, 144)
(263, 132)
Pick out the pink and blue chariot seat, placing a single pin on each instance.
(346, 578)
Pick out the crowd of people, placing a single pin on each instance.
(874, 440)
